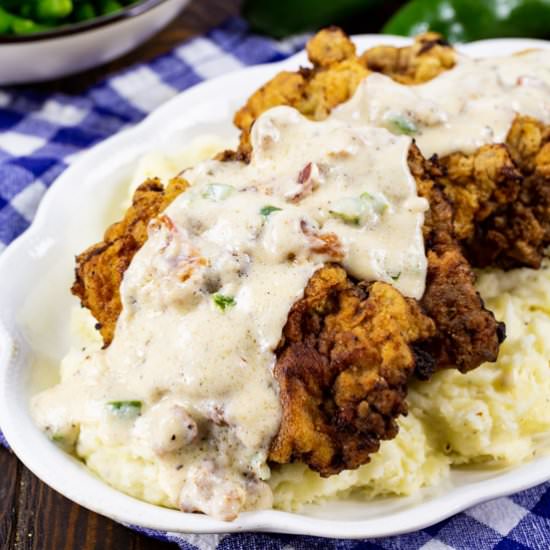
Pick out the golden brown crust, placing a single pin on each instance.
(501, 197)
(467, 334)
(330, 46)
(100, 268)
(478, 184)
(343, 368)
(426, 58)
(336, 73)
(349, 349)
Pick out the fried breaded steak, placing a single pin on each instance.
(337, 71)
(501, 197)
(467, 334)
(343, 367)
(348, 348)
(500, 194)
(100, 268)
(344, 360)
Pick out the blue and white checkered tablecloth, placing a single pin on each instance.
(40, 135)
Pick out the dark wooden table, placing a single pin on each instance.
(33, 516)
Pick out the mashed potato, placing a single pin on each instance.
(168, 162)
(496, 415)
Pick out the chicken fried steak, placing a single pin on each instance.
(500, 194)
(501, 197)
(101, 267)
(343, 367)
(336, 73)
(348, 349)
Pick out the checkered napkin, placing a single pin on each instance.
(40, 135)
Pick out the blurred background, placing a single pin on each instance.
(45, 40)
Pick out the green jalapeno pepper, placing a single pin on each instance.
(284, 17)
(467, 20)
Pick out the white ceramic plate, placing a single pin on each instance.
(36, 273)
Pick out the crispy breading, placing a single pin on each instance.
(426, 58)
(467, 333)
(465, 339)
(329, 46)
(478, 184)
(343, 367)
(336, 73)
(501, 197)
(529, 145)
(348, 349)
(100, 268)
(500, 194)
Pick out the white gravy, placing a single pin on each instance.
(188, 377)
(462, 109)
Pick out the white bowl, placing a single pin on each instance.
(73, 48)
(36, 272)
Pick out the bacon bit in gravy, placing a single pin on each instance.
(305, 173)
(323, 243)
(308, 179)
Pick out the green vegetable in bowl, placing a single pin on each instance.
(26, 26)
(32, 16)
(85, 11)
(52, 9)
(110, 6)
